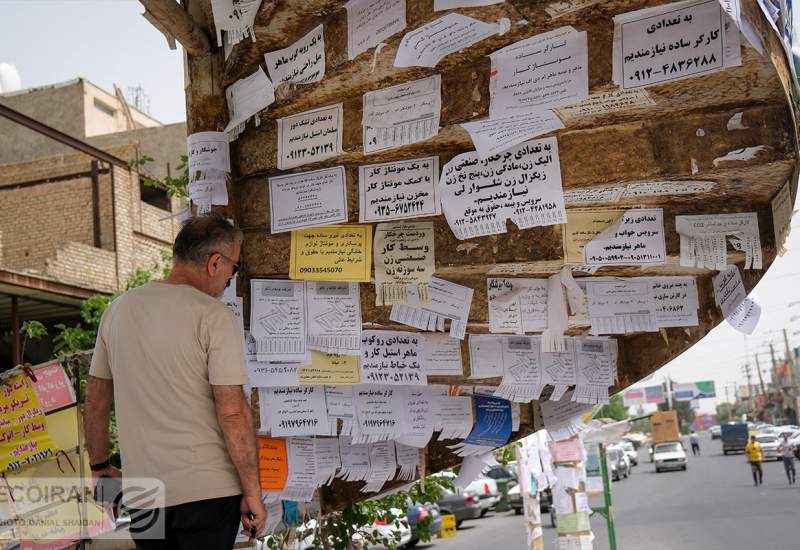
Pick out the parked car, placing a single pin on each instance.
(421, 512)
(637, 438)
(669, 456)
(734, 437)
(769, 446)
(485, 488)
(716, 432)
(515, 499)
(788, 429)
(617, 463)
(464, 506)
(630, 451)
(399, 533)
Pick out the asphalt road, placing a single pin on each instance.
(713, 505)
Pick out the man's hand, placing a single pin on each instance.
(252, 506)
(108, 471)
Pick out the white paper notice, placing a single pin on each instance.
(637, 238)
(370, 22)
(246, 97)
(302, 480)
(740, 311)
(493, 136)
(522, 369)
(402, 115)
(378, 412)
(595, 366)
(307, 199)
(442, 5)
(355, 460)
(617, 306)
(603, 103)
(404, 256)
(522, 184)
(382, 466)
(208, 155)
(593, 195)
(452, 416)
(339, 400)
(446, 302)
(309, 137)
(398, 190)
(660, 188)
(672, 42)
(266, 375)
(563, 7)
(236, 18)
(517, 305)
(392, 358)
(429, 44)
(559, 369)
(334, 317)
(301, 63)
(782, 216)
(540, 72)
(407, 460)
(297, 411)
(443, 355)
(327, 458)
(417, 406)
(562, 418)
(704, 239)
(485, 356)
(278, 321)
(676, 301)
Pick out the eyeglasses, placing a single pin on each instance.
(236, 265)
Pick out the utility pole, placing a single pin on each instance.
(760, 379)
(792, 380)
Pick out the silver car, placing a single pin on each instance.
(769, 446)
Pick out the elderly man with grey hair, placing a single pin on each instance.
(170, 357)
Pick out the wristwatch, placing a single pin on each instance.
(100, 466)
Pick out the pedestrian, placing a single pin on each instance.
(787, 450)
(754, 457)
(170, 356)
(694, 439)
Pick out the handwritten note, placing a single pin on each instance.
(339, 400)
(392, 358)
(53, 387)
(401, 115)
(704, 239)
(333, 310)
(273, 464)
(404, 254)
(730, 295)
(603, 103)
(329, 368)
(430, 43)
(782, 216)
(309, 137)
(442, 355)
(208, 151)
(637, 238)
(522, 184)
(399, 190)
(540, 72)
(235, 18)
(24, 439)
(307, 199)
(277, 320)
(370, 22)
(517, 305)
(301, 63)
(446, 302)
(673, 42)
(247, 97)
(332, 253)
(493, 136)
(297, 411)
(617, 306)
(661, 188)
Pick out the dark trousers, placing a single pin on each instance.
(758, 473)
(204, 524)
(788, 465)
(695, 449)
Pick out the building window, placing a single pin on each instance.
(103, 108)
(155, 197)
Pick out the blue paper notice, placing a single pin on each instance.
(493, 425)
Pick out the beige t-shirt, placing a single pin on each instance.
(164, 346)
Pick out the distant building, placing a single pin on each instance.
(70, 226)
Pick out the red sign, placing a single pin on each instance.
(53, 387)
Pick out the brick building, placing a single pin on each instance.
(70, 225)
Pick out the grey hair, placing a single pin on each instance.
(201, 236)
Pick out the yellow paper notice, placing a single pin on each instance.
(332, 253)
(23, 431)
(329, 368)
(582, 226)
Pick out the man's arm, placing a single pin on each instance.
(97, 414)
(236, 421)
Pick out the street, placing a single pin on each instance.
(713, 505)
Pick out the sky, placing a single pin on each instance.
(108, 42)
(105, 41)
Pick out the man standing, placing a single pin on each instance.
(694, 439)
(170, 356)
(754, 457)
(787, 452)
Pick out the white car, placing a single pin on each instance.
(630, 452)
(485, 488)
(669, 456)
(381, 530)
(769, 446)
